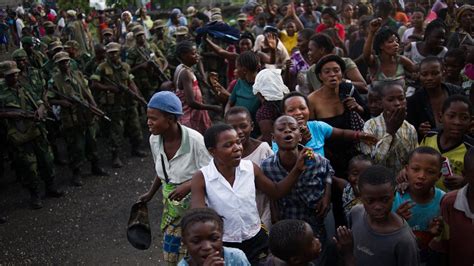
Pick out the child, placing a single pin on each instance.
(419, 205)
(374, 102)
(380, 237)
(454, 62)
(452, 141)
(292, 242)
(254, 150)
(457, 210)
(396, 136)
(350, 194)
(309, 200)
(228, 185)
(202, 235)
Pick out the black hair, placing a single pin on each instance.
(457, 98)
(382, 36)
(184, 47)
(377, 175)
(202, 215)
(211, 134)
(326, 59)
(323, 41)
(247, 35)
(426, 150)
(419, 9)
(359, 158)
(331, 12)
(238, 110)
(458, 54)
(249, 60)
(363, 9)
(468, 160)
(306, 33)
(431, 59)
(291, 95)
(434, 25)
(285, 238)
(384, 7)
(262, 15)
(384, 85)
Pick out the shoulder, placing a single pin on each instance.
(468, 141)
(349, 63)
(193, 135)
(449, 198)
(235, 256)
(453, 89)
(268, 161)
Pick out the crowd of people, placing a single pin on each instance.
(295, 133)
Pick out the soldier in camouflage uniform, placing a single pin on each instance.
(120, 106)
(29, 77)
(107, 36)
(140, 58)
(81, 59)
(35, 57)
(50, 36)
(26, 135)
(78, 124)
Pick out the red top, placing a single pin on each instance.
(339, 27)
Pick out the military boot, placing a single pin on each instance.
(35, 198)
(137, 151)
(76, 178)
(116, 162)
(53, 191)
(97, 170)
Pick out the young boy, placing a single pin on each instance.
(292, 243)
(396, 136)
(454, 61)
(374, 102)
(457, 210)
(380, 237)
(310, 197)
(452, 141)
(419, 205)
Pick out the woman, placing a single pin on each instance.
(432, 44)
(330, 20)
(321, 45)
(417, 30)
(347, 17)
(187, 89)
(463, 36)
(178, 152)
(386, 63)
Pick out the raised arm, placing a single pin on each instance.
(374, 25)
(220, 51)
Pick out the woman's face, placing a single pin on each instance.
(245, 45)
(157, 121)
(417, 19)
(241, 71)
(302, 43)
(314, 52)
(436, 38)
(297, 108)
(258, 10)
(228, 150)
(467, 19)
(328, 20)
(331, 75)
(191, 57)
(242, 124)
(291, 28)
(348, 11)
(126, 18)
(390, 46)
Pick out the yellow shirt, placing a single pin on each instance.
(288, 41)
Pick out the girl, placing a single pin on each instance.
(386, 63)
(254, 150)
(330, 21)
(228, 185)
(432, 44)
(416, 32)
(202, 235)
(452, 141)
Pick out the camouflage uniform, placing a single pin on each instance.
(26, 139)
(121, 107)
(78, 124)
(30, 78)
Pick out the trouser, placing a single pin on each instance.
(33, 160)
(81, 144)
(255, 248)
(126, 121)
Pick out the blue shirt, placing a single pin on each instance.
(320, 131)
(422, 214)
(232, 257)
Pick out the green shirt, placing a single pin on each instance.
(242, 95)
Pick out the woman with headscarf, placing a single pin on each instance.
(178, 152)
(463, 35)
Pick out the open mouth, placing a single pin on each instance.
(288, 138)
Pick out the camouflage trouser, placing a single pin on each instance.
(33, 160)
(146, 87)
(81, 144)
(123, 122)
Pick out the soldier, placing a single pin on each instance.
(78, 123)
(50, 36)
(81, 59)
(159, 37)
(75, 30)
(36, 58)
(29, 77)
(120, 106)
(26, 137)
(107, 36)
(99, 57)
(144, 58)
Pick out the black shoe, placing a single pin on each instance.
(53, 192)
(139, 153)
(98, 171)
(76, 179)
(35, 202)
(116, 162)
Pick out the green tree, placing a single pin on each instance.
(74, 4)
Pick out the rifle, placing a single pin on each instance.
(22, 113)
(162, 77)
(121, 87)
(85, 105)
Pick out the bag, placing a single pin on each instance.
(138, 231)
